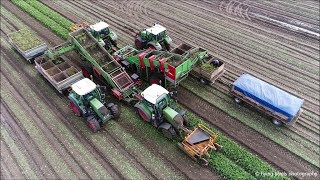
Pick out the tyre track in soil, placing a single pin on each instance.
(9, 164)
(277, 82)
(91, 145)
(177, 165)
(84, 141)
(259, 8)
(282, 40)
(312, 138)
(304, 125)
(314, 127)
(301, 128)
(24, 140)
(53, 41)
(273, 153)
(303, 121)
(148, 173)
(273, 67)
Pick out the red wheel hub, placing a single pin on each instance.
(90, 125)
(74, 108)
(85, 73)
(143, 115)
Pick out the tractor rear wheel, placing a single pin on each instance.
(75, 109)
(169, 133)
(93, 123)
(86, 71)
(143, 115)
(114, 110)
(138, 43)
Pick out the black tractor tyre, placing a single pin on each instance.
(75, 109)
(169, 133)
(186, 121)
(93, 124)
(87, 71)
(167, 46)
(138, 43)
(114, 110)
(114, 43)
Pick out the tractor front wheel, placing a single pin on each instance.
(75, 109)
(93, 123)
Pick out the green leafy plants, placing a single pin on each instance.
(45, 20)
(50, 13)
(248, 161)
(25, 39)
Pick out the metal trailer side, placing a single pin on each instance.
(275, 102)
(61, 75)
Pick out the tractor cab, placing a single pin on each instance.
(85, 90)
(154, 37)
(156, 97)
(87, 100)
(156, 33)
(103, 34)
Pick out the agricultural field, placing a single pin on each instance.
(277, 41)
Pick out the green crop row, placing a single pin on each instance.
(218, 161)
(248, 161)
(232, 156)
(50, 13)
(45, 20)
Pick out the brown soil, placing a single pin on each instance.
(135, 15)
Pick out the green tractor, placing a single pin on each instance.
(87, 100)
(157, 107)
(104, 35)
(154, 37)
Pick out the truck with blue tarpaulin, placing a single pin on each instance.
(283, 107)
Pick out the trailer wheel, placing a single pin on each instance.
(204, 81)
(237, 100)
(75, 109)
(277, 122)
(93, 123)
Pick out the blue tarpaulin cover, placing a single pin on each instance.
(268, 95)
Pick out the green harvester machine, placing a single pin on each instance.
(154, 104)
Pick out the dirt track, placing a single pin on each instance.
(137, 13)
